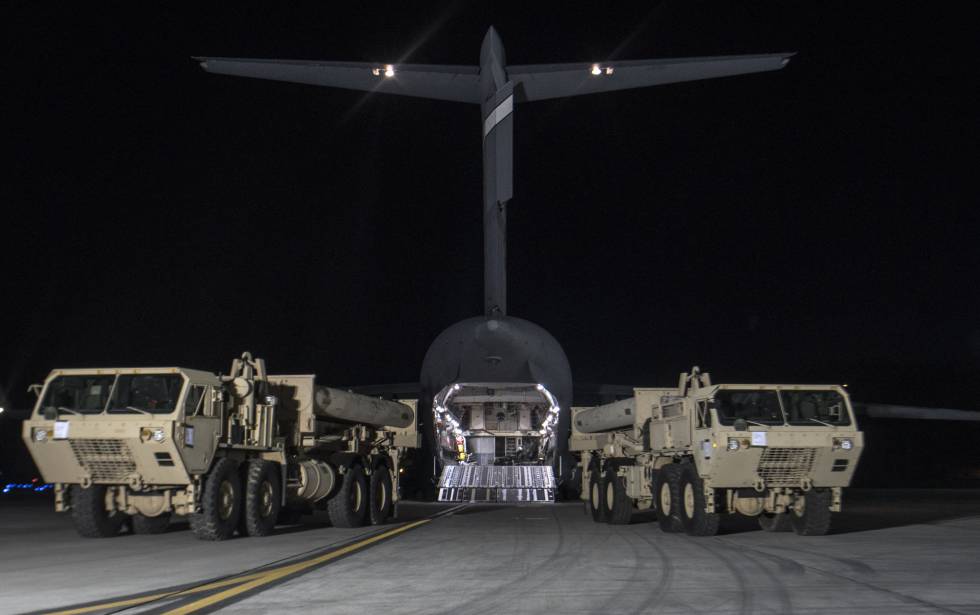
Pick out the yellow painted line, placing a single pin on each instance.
(278, 573)
(152, 597)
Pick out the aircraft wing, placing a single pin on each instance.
(397, 390)
(593, 394)
(888, 411)
(442, 82)
(543, 81)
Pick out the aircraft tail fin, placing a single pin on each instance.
(544, 81)
(441, 82)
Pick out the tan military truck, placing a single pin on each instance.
(233, 453)
(782, 453)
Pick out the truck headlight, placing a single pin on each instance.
(158, 435)
(40, 435)
(844, 443)
(733, 444)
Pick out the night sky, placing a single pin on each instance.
(815, 224)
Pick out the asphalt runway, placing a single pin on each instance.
(892, 551)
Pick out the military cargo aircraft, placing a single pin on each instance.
(495, 390)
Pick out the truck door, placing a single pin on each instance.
(701, 428)
(201, 428)
(676, 432)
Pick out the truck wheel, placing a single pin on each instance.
(348, 506)
(263, 497)
(221, 502)
(151, 525)
(619, 507)
(381, 500)
(668, 498)
(88, 512)
(811, 513)
(696, 521)
(597, 498)
(775, 522)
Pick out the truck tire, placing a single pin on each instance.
(151, 525)
(263, 497)
(668, 498)
(347, 507)
(381, 503)
(775, 522)
(221, 502)
(88, 512)
(811, 513)
(619, 506)
(597, 498)
(696, 521)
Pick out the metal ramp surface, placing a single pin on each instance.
(497, 484)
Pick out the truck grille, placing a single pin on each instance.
(105, 460)
(785, 467)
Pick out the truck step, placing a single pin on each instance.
(463, 483)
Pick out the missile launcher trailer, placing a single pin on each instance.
(782, 453)
(232, 453)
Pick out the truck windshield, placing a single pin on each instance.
(78, 394)
(815, 407)
(753, 406)
(125, 393)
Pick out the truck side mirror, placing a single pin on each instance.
(36, 389)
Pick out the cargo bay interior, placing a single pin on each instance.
(496, 441)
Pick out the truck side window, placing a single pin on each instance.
(195, 400)
(674, 409)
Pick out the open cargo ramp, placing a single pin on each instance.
(460, 483)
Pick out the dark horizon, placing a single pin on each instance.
(814, 224)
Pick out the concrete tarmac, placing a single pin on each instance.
(891, 551)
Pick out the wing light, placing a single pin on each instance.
(601, 70)
(387, 70)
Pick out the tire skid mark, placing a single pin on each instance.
(500, 596)
(854, 565)
(746, 598)
(910, 600)
(785, 601)
(658, 592)
(614, 602)
(785, 564)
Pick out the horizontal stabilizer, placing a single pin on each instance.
(887, 411)
(455, 83)
(544, 81)
(395, 390)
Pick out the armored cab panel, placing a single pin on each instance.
(670, 426)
